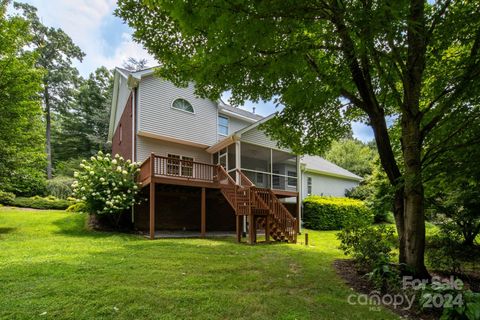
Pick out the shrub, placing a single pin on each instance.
(77, 207)
(38, 202)
(107, 186)
(27, 183)
(369, 245)
(60, 187)
(6, 198)
(446, 251)
(328, 213)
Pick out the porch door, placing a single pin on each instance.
(223, 158)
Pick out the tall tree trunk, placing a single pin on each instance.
(398, 213)
(414, 219)
(48, 133)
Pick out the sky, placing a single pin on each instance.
(107, 41)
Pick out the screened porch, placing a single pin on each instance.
(265, 167)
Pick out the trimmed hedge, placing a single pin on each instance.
(38, 202)
(6, 198)
(329, 213)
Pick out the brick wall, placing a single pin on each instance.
(122, 138)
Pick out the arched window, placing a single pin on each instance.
(182, 104)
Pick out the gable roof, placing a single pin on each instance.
(316, 164)
(241, 113)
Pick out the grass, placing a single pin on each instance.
(52, 268)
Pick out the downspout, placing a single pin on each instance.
(299, 190)
(134, 111)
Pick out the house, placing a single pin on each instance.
(207, 166)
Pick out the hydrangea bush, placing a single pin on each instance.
(107, 185)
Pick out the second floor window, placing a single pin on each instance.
(223, 125)
(182, 104)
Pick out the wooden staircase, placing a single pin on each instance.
(261, 205)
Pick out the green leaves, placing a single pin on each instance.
(107, 186)
(21, 139)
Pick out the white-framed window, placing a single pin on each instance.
(183, 105)
(223, 125)
(173, 164)
(179, 165)
(292, 178)
(309, 185)
(187, 166)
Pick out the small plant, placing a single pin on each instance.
(77, 207)
(106, 185)
(6, 198)
(470, 308)
(371, 246)
(384, 275)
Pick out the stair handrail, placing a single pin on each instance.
(244, 180)
(283, 216)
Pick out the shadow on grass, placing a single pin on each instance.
(6, 230)
(75, 225)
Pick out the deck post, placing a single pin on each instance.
(152, 210)
(297, 209)
(203, 209)
(239, 228)
(267, 229)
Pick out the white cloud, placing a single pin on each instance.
(83, 20)
(127, 48)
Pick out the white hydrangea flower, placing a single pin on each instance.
(114, 161)
(119, 169)
(102, 179)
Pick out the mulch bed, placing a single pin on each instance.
(347, 270)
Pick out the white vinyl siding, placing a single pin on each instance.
(163, 148)
(259, 138)
(156, 114)
(237, 124)
(326, 185)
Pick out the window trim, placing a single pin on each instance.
(180, 165)
(309, 185)
(218, 125)
(181, 98)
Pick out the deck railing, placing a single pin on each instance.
(177, 168)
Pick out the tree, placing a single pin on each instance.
(133, 64)
(329, 62)
(83, 130)
(352, 155)
(452, 182)
(21, 143)
(55, 50)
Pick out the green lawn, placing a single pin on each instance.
(52, 268)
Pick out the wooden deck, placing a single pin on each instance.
(261, 206)
(165, 170)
